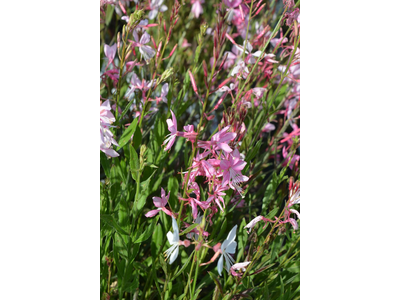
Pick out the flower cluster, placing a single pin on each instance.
(106, 136)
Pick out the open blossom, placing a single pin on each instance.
(217, 195)
(252, 57)
(240, 69)
(106, 136)
(195, 201)
(160, 203)
(155, 7)
(241, 267)
(146, 51)
(294, 198)
(231, 5)
(173, 239)
(173, 128)
(228, 247)
(292, 157)
(232, 167)
(164, 93)
(253, 222)
(219, 141)
(110, 51)
(225, 88)
(279, 41)
(268, 127)
(189, 133)
(197, 9)
(231, 57)
(137, 84)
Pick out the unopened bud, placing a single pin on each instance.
(159, 50)
(193, 82)
(217, 247)
(259, 10)
(173, 50)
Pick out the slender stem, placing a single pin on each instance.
(247, 31)
(258, 253)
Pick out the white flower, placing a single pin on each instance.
(253, 222)
(228, 247)
(156, 6)
(255, 55)
(225, 88)
(173, 239)
(240, 69)
(164, 92)
(146, 51)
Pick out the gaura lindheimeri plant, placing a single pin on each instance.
(199, 139)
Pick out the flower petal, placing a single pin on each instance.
(174, 255)
(220, 265)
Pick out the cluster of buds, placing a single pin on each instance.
(235, 118)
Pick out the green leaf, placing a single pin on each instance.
(148, 232)
(191, 227)
(156, 241)
(108, 219)
(254, 150)
(144, 192)
(105, 163)
(109, 13)
(183, 267)
(126, 109)
(173, 187)
(215, 279)
(134, 162)
(127, 134)
(137, 138)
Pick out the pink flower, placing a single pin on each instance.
(241, 267)
(193, 202)
(219, 141)
(201, 167)
(106, 116)
(269, 127)
(106, 142)
(294, 198)
(292, 157)
(225, 88)
(106, 136)
(164, 93)
(185, 43)
(197, 9)
(232, 171)
(155, 7)
(253, 222)
(110, 51)
(173, 128)
(232, 3)
(217, 195)
(136, 83)
(276, 41)
(240, 69)
(190, 134)
(146, 51)
(160, 203)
